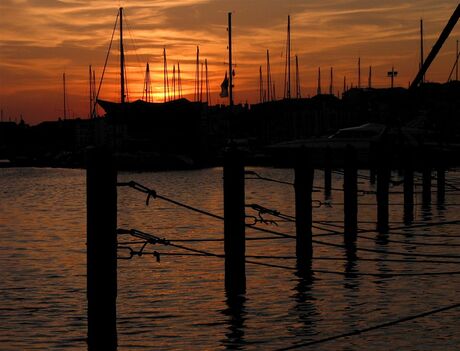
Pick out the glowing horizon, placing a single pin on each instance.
(43, 39)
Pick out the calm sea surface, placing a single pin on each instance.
(179, 303)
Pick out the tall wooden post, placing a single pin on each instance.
(408, 194)
(383, 186)
(350, 195)
(101, 188)
(327, 173)
(426, 186)
(441, 184)
(303, 186)
(234, 224)
(230, 65)
(372, 176)
(372, 162)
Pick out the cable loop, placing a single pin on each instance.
(319, 203)
(130, 253)
(261, 219)
(261, 211)
(142, 188)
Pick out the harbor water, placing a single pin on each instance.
(179, 303)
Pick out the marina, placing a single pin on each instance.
(180, 302)
(249, 214)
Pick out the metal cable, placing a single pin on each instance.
(153, 239)
(375, 327)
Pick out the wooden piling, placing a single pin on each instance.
(372, 161)
(441, 184)
(303, 185)
(408, 194)
(350, 195)
(372, 175)
(426, 186)
(234, 224)
(101, 186)
(383, 187)
(327, 174)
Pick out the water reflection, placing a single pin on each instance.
(382, 238)
(351, 311)
(351, 260)
(236, 314)
(408, 216)
(305, 307)
(427, 214)
(182, 307)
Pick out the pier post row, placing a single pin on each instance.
(101, 182)
(234, 222)
(303, 188)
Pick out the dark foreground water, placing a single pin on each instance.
(180, 303)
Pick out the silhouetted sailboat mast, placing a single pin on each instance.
(421, 48)
(197, 74)
(318, 90)
(147, 96)
(208, 92)
(359, 72)
(65, 104)
(90, 115)
(261, 84)
(456, 63)
(370, 77)
(122, 60)
(92, 92)
(287, 69)
(179, 81)
(230, 64)
(201, 81)
(331, 82)
(297, 79)
(269, 79)
(165, 77)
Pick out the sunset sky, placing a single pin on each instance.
(42, 39)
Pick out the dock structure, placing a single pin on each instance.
(371, 148)
(344, 158)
